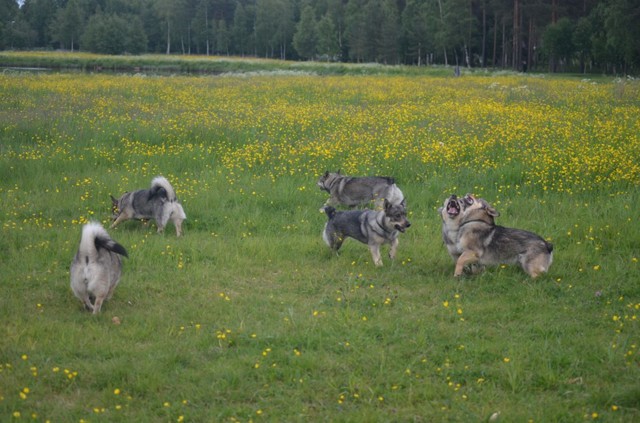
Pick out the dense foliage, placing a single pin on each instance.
(556, 35)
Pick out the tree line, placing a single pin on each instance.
(542, 35)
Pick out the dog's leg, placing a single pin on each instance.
(98, 304)
(87, 302)
(121, 217)
(537, 265)
(375, 253)
(337, 243)
(467, 257)
(178, 224)
(393, 249)
(330, 202)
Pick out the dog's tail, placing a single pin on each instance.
(95, 237)
(160, 186)
(330, 211)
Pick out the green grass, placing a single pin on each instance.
(171, 64)
(249, 317)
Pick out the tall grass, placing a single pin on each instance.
(249, 317)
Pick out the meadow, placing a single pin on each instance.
(249, 316)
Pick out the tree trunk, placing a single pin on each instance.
(505, 57)
(495, 39)
(483, 57)
(168, 37)
(515, 62)
(529, 59)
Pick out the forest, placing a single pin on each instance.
(578, 36)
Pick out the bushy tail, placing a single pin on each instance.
(160, 186)
(95, 237)
(330, 211)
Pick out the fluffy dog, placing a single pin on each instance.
(353, 191)
(370, 227)
(96, 268)
(480, 240)
(158, 202)
(451, 215)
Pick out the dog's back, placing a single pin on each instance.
(343, 224)
(352, 191)
(159, 202)
(96, 268)
(493, 244)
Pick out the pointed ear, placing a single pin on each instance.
(114, 201)
(339, 172)
(492, 212)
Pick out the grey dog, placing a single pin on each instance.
(96, 268)
(481, 241)
(451, 215)
(371, 227)
(158, 202)
(353, 191)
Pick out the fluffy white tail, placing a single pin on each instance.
(94, 236)
(161, 181)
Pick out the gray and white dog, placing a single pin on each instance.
(96, 268)
(158, 202)
(479, 240)
(451, 215)
(353, 191)
(371, 227)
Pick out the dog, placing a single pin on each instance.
(353, 191)
(480, 240)
(451, 214)
(96, 268)
(158, 203)
(371, 227)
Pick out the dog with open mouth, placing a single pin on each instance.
(451, 214)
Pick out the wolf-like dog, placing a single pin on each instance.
(481, 241)
(371, 227)
(451, 215)
(353, 191)
(158, 202)
(96, 268)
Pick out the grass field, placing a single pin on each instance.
(249, 317)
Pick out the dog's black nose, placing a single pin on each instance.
(408, 223)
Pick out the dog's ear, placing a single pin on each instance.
(492, 212)
(326, 173)
(403, 203)
(114, 201)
